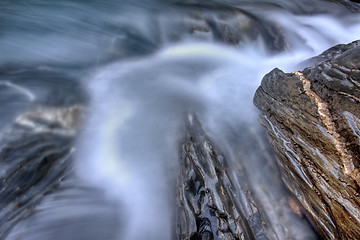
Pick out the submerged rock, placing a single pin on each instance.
(206, 22)
(35, 153)
(41, 197)
(35, 146)
(313, 121)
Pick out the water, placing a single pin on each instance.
(140, 69)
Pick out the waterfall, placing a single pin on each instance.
(145, 67)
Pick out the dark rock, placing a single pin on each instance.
(35, 154)
(206, 198)
(40, 195)
(234, 26)
(72, 210)
(313, 121)
(219, 23)
(218, 199)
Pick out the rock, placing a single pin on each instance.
(218, 199)
(36, 146)
(206, 194)
(233, 26)
(313, 120)
(72, 210)
(34, 157)
(219, 23)
(41, 197)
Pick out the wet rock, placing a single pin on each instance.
(40, 195)
(218, 199)
(219, 23)
(208, 208)
(36, 145)
(313, 120)
(234, 26)
(73, 210)
(34, 157)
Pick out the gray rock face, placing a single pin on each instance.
(313, 120)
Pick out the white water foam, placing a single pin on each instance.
(130, 143)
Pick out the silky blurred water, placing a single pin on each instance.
(145, 66)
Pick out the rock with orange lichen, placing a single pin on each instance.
(313, 121)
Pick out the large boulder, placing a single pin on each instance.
(313, 121)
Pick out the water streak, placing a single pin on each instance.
(146, 66)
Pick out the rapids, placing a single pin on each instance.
(144, 67)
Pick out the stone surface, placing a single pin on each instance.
(207, 196)
(40, 195)
(34, 155)
(214, 23)
(221, 199)
(37, 138)
(313, 120)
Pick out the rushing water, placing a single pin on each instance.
(145, 66)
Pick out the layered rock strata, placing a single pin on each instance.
(313, 119)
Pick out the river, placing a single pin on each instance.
(139, 69)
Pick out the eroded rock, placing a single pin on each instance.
(312, 118)
(34, 157)
(208, 206)
(36, 146)
(221, 199)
